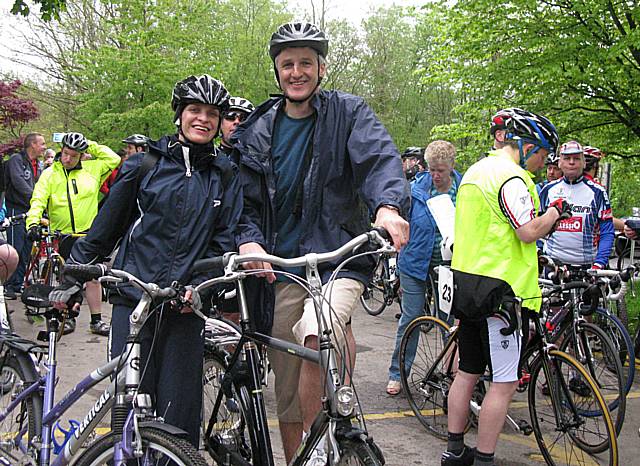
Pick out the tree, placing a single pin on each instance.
(49, 9)
(576, 61)
(15, 113)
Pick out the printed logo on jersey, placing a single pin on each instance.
(571, 225)
(606, 214)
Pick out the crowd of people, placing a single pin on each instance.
(303, 172)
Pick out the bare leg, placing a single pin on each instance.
(310, 387)
(94, 296)
(458, 402)
(8, 261)
(493, 413)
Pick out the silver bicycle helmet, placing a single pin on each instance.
(75, 141)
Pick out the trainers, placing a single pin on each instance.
(99, 328)
(579, 387)
(318, 458)
(465, 458)
(10, 294)
(69, 326)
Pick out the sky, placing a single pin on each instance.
(353, 10)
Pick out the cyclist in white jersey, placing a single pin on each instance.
(587, 237)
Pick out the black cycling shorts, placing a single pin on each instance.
(481, 345)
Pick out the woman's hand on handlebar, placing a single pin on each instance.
(255, 248)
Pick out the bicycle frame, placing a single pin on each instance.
(129, 377)
(325, 357)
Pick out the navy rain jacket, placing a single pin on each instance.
(354, 168)
(172, 221)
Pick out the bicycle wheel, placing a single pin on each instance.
(594, 350)
(563, 435)
(158, 447)
(228, 425)
(358, 452)
(421, 354)
(374, 297)
(621, 340)
(51, 270)
(22, 425)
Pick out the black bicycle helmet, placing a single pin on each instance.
(298, 34)
(75, 141)
(531, 128)
(238, 103)
(552, 159)
(136, 140)
(198, 89)
(413, 153)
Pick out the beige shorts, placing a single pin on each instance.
(295, 320)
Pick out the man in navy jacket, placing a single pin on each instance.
(313, 165)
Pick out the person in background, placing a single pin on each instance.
(413, 162)
(48, 158)
(553, 171)
(239, 110)
(68, 191)
(21, 172)
(422, 254)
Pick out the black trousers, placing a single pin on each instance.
(172, 368)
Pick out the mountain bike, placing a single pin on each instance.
(565, 424)
(237, 432)
(29, 417)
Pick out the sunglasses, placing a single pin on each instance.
(231, 116)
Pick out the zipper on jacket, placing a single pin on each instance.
(185, 156)
(73, 223)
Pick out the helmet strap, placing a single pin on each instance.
(525, 157)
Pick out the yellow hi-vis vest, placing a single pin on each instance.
(485, 242)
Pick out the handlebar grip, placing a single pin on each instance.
(383, 232)
(86, 272)
(212, 264)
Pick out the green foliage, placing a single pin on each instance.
(577, 62)
(126, 82)
(49, 9)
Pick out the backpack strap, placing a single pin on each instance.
(149, 160)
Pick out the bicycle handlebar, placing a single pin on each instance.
(103, 273)
(8, 221)
(232, 261)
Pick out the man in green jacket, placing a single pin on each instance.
(69, 192)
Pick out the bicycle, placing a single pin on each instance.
(558, 421)
(45, 264)
(567, 328)
(5, 315)
(241, 384)
(383, 287)
(28, 418)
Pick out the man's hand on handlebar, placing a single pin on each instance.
(398, 228)
(255, 248)
(67, 295)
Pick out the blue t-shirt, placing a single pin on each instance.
(291, 140)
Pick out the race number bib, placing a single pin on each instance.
(393, 268)
(445, 288)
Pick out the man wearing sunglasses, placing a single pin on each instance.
(239, 110)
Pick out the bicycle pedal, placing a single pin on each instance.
(525, 427)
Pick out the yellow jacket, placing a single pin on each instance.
(71, 196)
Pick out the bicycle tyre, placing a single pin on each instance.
(25, 418)
(606, 371)
(544, 425)
(619, 335)
(228, 434)
(427, 398)
(374, 298)
(156, 442)
(357, 453)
